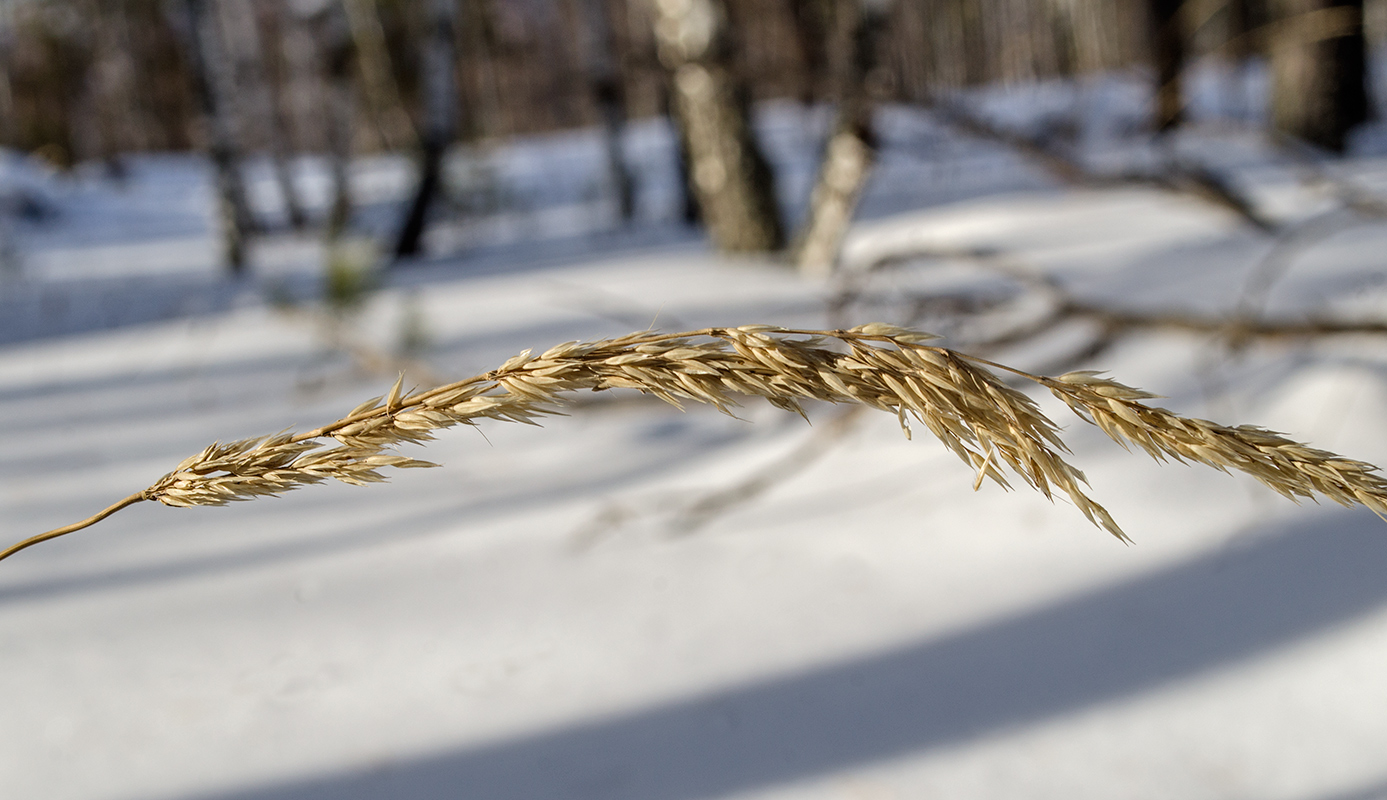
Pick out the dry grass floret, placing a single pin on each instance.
(986, 423)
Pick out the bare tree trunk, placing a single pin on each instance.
(341, 101)
(1318, 62)
(214, 89)
(1245, 17)
(975, 61)
(11, 267)
(1245, 20)
(378, 85)
(7, 124)
(1076, 36)
(1168, 53)
(641, 18)
(689, 211)
(558, 72)
(851, 149)
(264, 35)
(813, 21)
(440, 98)
(605, 79)
(485, 118)
(733, 182)
(109, 88)
(335, 106)
(9, 129)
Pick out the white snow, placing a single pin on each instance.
(868, 628)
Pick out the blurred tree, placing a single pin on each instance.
(1318, 65)
(730, 176)
(333, 42)
(1168, 53)
(109, 93)
(851, 148)
(50, 64)
(440, 121)
(604, 78)
(262, 32)
(813, 22)
(476, 46)
(7, 109)
(215, 87)
(1246, 19)
(378, 86)
(689, 211)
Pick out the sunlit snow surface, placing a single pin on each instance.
(869, 628)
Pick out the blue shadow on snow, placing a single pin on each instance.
(1080, 652)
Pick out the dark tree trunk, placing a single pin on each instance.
(1318, 61)
(339, 104)
(1246, 19)
(378, 86)
(851, 149)
(607, 90)
(9, 129)
(334, 54)
(688, 198)
(213, 89)
(813, 21)
(109, 88)
(266, 36)
(730, 176)
(976, 71)
(1168, 53)
(485, 118)
(440, 123)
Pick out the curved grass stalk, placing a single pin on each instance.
(987, 424)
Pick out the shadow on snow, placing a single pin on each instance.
(1096, 648)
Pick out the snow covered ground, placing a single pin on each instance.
(525, 622)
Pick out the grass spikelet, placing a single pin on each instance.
(1293, 469)
(993, 428)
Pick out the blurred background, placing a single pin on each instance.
(292, 101)
(225, 218)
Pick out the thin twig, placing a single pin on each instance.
(137, 497)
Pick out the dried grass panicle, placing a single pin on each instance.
(989, 425)
(1291, 468)
(958, 398)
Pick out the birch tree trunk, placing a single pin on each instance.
(440, 121)
(730, 176)
(214, 87)
(1318, 64)
(851, 149)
